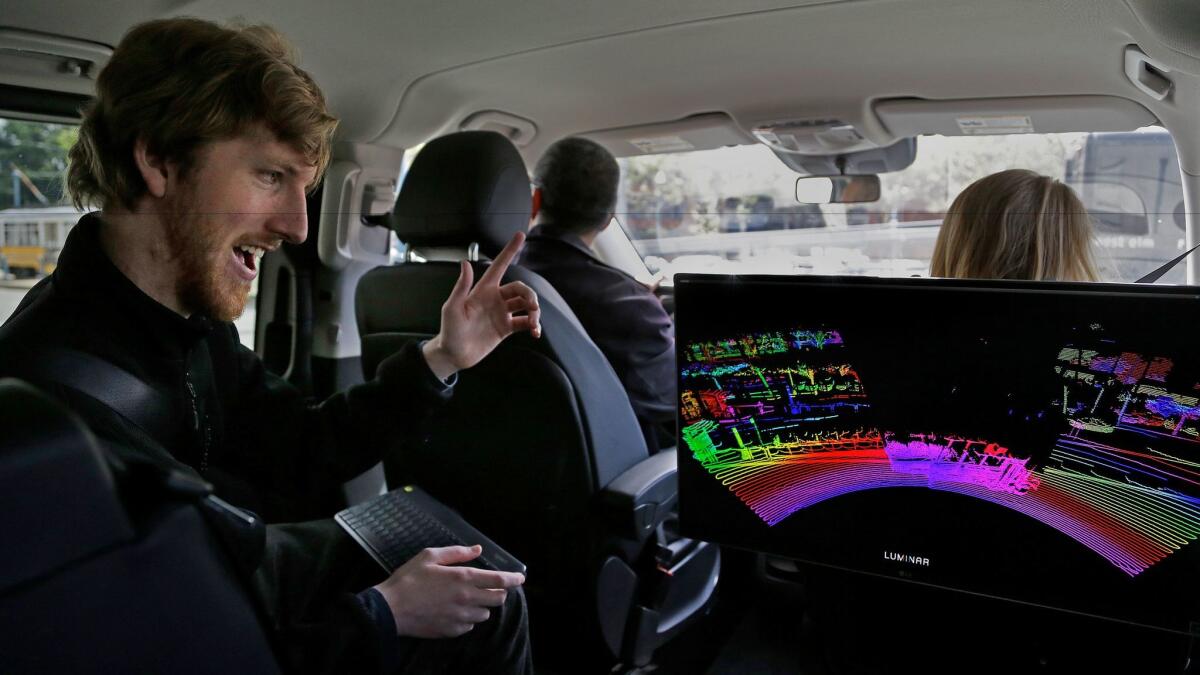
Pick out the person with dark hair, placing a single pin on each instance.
(200, 148)
(728, 212)
(761, 209)
(575, 194)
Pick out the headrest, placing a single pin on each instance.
(464, 188)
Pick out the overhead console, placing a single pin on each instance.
(831, 147)
(811, 137)
(1033, 114)
(698, 132)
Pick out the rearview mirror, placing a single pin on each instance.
(837, 189)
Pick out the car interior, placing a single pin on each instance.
(766, 137)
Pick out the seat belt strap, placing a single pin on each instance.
(124, 393)
(1158, 273)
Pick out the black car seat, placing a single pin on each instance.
(539, 446)
(97, 577)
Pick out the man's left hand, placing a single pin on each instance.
(475, 320)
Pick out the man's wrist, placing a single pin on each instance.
(380, 613)
(436, 358)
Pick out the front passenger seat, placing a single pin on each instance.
(539, 447)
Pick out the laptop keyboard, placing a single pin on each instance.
(398, 525)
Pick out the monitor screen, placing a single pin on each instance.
(1037, 442)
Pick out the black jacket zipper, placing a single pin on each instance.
(196, 422)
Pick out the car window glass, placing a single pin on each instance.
(733, 209)
(35, 213)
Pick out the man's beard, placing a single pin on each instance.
(201, 256)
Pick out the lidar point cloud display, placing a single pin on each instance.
(781, 419)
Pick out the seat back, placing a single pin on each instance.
(537, 430)
(591, 397)
(91, 583)
(531, 433)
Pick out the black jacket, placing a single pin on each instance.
(254, 436)
(251, 434)
(625, 320)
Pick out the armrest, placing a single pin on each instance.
(642, 497)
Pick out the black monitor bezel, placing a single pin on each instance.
(687, 283)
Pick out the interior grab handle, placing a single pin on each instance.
(1147, 75)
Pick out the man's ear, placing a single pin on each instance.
(607, 221)
(537, 204)
(154, 169)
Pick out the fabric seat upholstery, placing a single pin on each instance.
(535, 432)
(102, 575)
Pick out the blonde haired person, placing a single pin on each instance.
(1015, 224)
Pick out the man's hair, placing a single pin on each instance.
(579, 181)
(1015, 224)
(182, 83)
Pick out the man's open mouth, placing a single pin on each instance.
(246, 259)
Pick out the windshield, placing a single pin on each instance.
(733, 210)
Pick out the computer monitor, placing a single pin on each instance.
(1035, 442)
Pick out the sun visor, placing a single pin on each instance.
(1024, 115)
(699, 132)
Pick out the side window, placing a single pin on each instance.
(35, 212)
